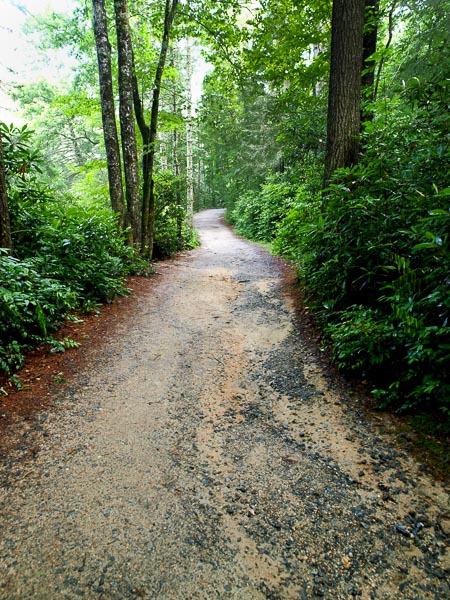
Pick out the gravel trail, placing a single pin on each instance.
(205, 454)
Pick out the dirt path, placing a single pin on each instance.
(206, 455)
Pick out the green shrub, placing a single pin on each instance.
(66, 257)
(375, 256)
(257, 216)
(31, 306)
(173, 230)
(297, 223)
(245, 215)
(79, 247)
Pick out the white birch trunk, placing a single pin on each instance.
(189, 144)
(163, 152)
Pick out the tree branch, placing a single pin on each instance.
(388, 43)
(226, 53)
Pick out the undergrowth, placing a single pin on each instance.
(373, 250)
(65, 257)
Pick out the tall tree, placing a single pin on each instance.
(344, 100)
(5, 231)
(126, 113)
(189, 143)
(149, 133)
(175, 158)
(372, 11)
(108, 110)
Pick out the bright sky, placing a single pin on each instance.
(19, 61)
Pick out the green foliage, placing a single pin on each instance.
(239, 150)
(264, 106)
(173, 231)
(296, 225)
(422, 50)
(63, 345)
(373, 250)
(20, 159)
(376, 257)
(67, 257)
(78, 246)
(67, 131)
(284, 34)
(297, 222)
(285, 204)
(30, 306)
(257, 216)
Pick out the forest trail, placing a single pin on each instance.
(205, 454)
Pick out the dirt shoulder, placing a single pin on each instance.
(203, 451)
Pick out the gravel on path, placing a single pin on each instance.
(205, 453)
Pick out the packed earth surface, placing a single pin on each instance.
(203, 451)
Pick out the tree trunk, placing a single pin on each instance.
(126, 113)
(5, 230)
(175, 160)
(177, 170)
(189, 145)
(372, 9)
(163, 153)
(199, 185)
(145, 135)
(148, 204)
(317, 49)
(388, 43)
(108, 111)
(344, 114)
(76, 146)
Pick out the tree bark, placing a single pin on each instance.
(163, 153)
(372, 10)
(126, 114)
(110, 135)
(189, 143)
(344, 114)
(5, 230)
(149, 136)
(176, 166)
(76, 146)
(175, 159)
(388, 43)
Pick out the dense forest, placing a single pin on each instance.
(322, 128)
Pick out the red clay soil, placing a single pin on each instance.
(46, 373)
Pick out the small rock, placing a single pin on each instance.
(404, 531)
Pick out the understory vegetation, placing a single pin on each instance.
(373, 250)
(373, 253)
(372, 247)
(67, 257)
